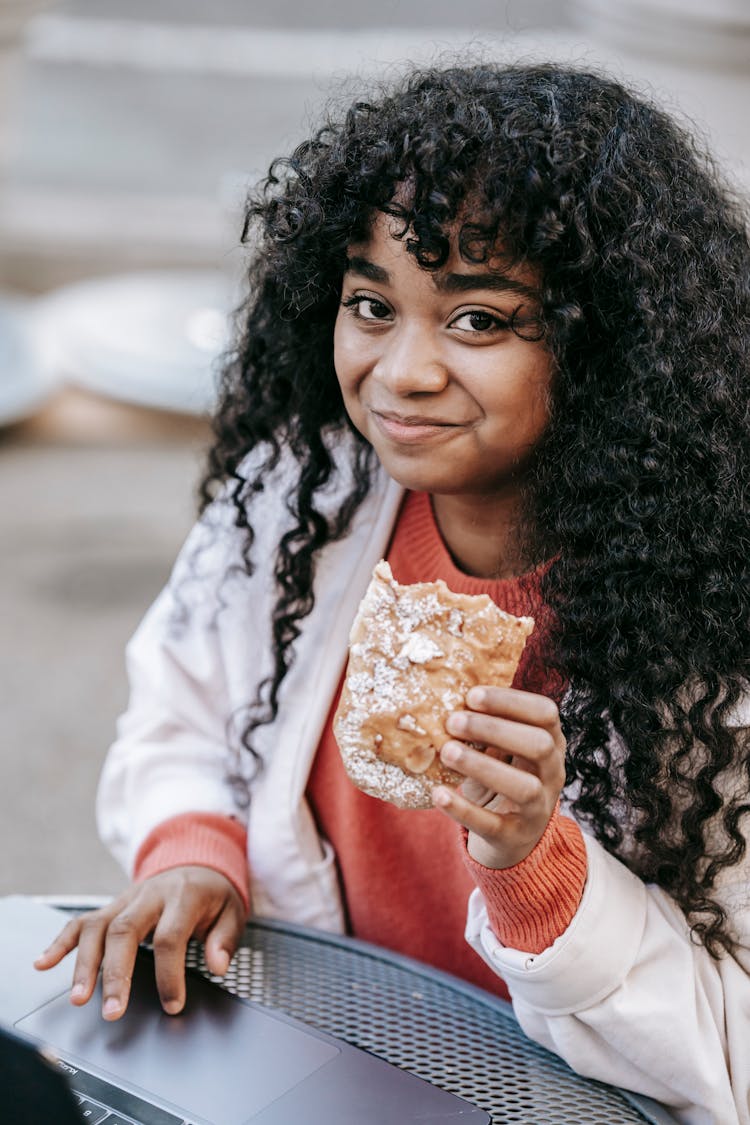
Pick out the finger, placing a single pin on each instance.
(535, 744)
(518, 786)
(483, 822)
(224, 937)
(510, 703)
(177, 925)
(63, 944)
(91, 943)
(125, 933)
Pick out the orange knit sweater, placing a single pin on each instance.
(405, 875)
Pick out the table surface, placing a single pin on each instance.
(445, 1031)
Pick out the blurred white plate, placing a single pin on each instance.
(153, 338)
(25, 383)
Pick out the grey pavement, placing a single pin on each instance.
(95, 501)
(332, 13)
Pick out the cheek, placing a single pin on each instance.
(521, 402)
(347, 362)
(533, 388)
(344, 357)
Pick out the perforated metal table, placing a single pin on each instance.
(448, 1032)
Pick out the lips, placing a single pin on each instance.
(405, 429)
(412, 419)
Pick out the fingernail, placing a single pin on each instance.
(476, 696)
(456, 723)
(172, 1007)
(222, 962)
(450, 753)
(112, 1007)
(441, 796)
(78, 991)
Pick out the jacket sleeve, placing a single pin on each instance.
(190, 676)
(625, 996)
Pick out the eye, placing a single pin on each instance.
(366, 308)
(479, 321)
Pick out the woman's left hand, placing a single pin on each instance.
(512, 786)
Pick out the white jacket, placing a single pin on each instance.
(623, 995)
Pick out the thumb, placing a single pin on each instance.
(224, 937)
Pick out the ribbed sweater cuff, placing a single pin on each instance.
(203, 839)
(531, 904)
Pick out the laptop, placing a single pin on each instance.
(222, 1061)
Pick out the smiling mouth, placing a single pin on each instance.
(413, 429)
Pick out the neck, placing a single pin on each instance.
(482, 534)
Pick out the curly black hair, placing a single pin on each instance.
(639, 487)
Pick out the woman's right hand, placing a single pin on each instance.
(175, 905)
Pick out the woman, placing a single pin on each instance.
(498, 332)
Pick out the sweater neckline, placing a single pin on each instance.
(425, 557)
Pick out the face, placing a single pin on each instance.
(452, 399)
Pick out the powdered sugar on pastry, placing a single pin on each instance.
(414, 653)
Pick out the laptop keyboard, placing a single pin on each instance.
(100, 1101)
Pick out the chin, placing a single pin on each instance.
(419, 478)
(421, 469)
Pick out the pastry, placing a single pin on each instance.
(414, 653)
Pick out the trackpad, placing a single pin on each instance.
(221, 1059)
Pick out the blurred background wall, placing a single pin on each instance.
(129, 132)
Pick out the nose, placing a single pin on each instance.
(411, 363)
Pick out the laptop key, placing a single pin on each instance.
(92, 1114)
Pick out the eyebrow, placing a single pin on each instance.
(447, 282)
